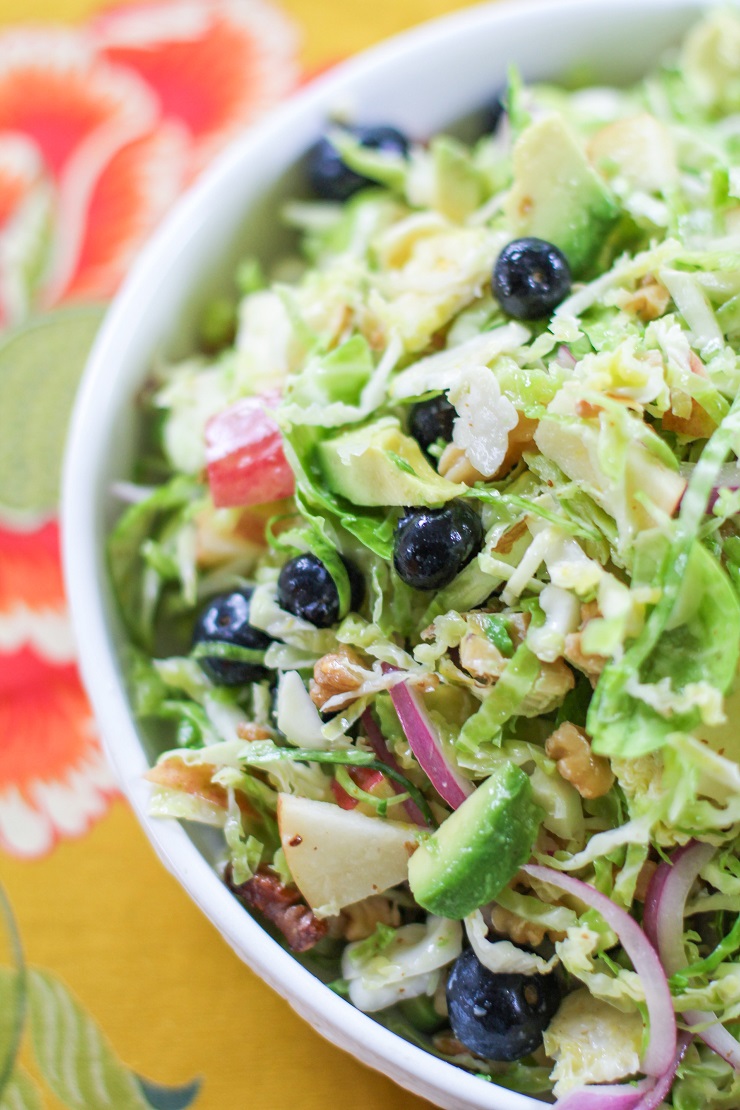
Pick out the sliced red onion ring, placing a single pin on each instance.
(666, 899)
(426, 744)
(621, 1096)
(657, 1094)
(377, 743)
(648, 1094)
(665, 904)
(565, 357)
(661, 1048)
(652, 902)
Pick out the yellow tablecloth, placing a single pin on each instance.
(97, 910)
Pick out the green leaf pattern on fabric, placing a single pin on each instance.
(72, 1053)
(21, 1093)
(12, 995)
(74, 1057)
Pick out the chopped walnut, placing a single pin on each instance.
(516, 928)
(520, 438)
(589, 611)
(570, 747)
(455, 465)
(480, 658)
(649, 300)
(478, 655)
(360, 920)
(424, 683)
(554, 681)
(517, 625)
(249, 731)
(339, 672)
(446, 1043)
(590, 665)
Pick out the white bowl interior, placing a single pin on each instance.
(422, 81)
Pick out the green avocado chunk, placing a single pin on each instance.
(557, 195)
(378, 465)
(479, 848)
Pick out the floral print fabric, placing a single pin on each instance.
(101, 127)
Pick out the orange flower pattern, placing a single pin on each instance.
(100, 128)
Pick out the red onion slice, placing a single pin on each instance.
(716, 1037)
(565, 357)
(648, 1094)
(666, 898)
(427, 746)
(622, 1096)
(652, 902)
(377, 743)
(665, 904)
(661, 1048)
(657, 1094)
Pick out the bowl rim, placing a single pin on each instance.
(372, 1043)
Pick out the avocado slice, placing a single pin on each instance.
(557, 195)
(378, 464)
(479, 848)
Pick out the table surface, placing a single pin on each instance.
(121, 959)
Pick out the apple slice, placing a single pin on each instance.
(339, 856)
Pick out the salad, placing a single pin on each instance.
(431, 567)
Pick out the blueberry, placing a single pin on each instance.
(432, 420)
(530, 279)
(226, 619)
(499, 1016)
(331, 179)
(431, 546)
(307, 590)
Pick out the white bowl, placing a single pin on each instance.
(420, 81)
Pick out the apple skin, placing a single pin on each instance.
(338, 856)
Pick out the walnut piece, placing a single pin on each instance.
(448, 1044)
(590, 665)
(554, 681)
(360, 920)
(479, 656)
(516, 928)
(455, 465)
(649, 300)
(339, 672)
(570, 747)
